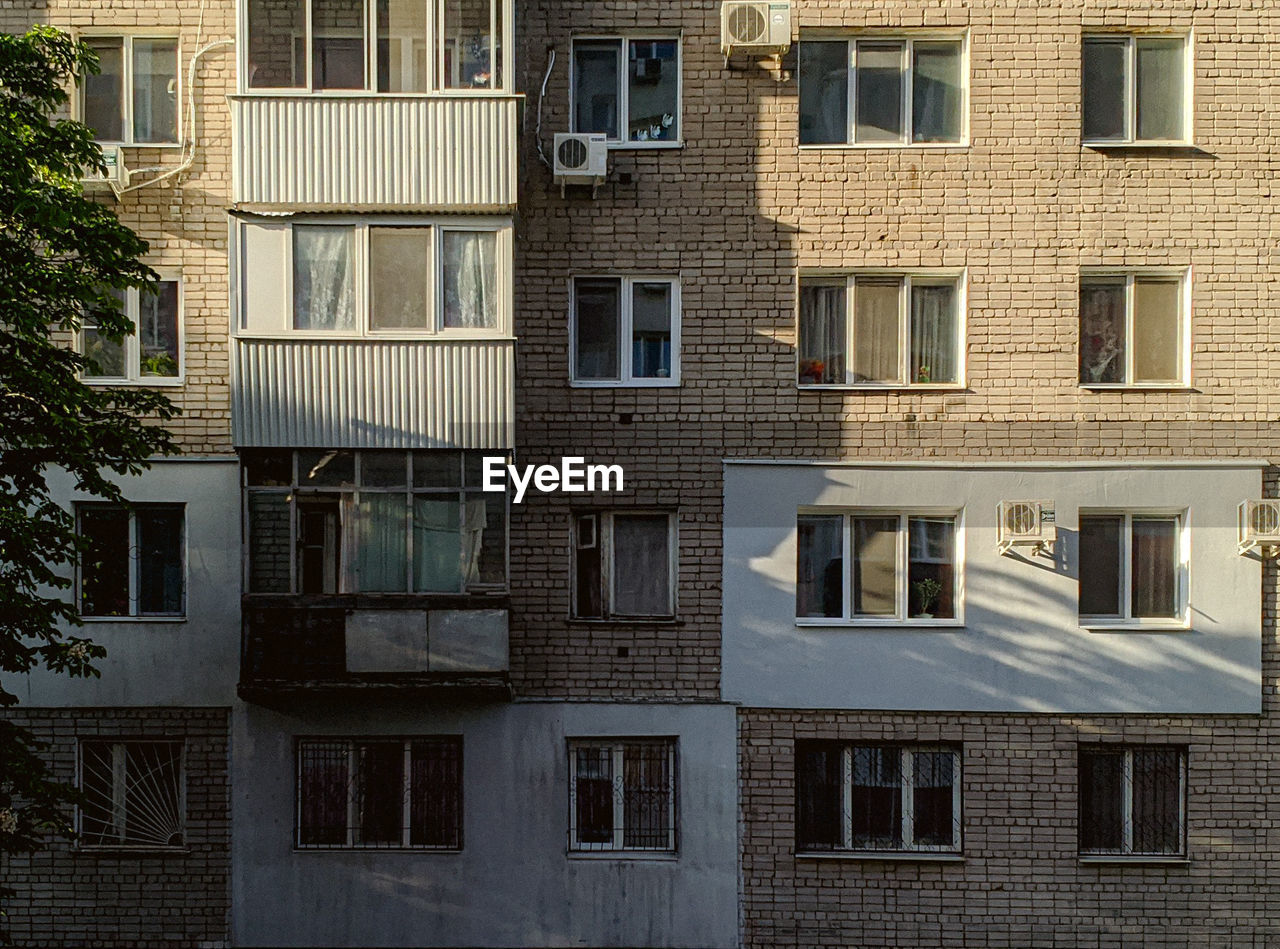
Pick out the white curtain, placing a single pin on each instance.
(875, 330)
(823, 319)
(470, 279)
(933, 334)
(323, 278)
(474, 517)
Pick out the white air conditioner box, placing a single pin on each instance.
(581, 158)
(113, 158)
(1259, 527)
(1026, 524)
(755, 27)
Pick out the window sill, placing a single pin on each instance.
(133, 619)
(645, 146)
(294, 93)
(893, 856)
(1136, 387)
(147, 383)
(886, 146)
(637, 856)
(883, 387)
(911, 624)
(1152, 145)
(1138, 859)
(1101, 626)
(162, 146)
(671, 383)
(125, 851)
(366, 850)
(313, 336)
(626, 621)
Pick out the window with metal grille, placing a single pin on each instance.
(134, 794)
(877, 797)
(380, 792)
(622, 795)
(1133, 800)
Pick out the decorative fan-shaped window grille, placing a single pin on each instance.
(133, 794)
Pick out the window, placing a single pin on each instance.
(627, 89)
(1134, 89)
(134, 794)
(622, 795)
(133, 99)
(880, 330)
(882, 91)
(624, 565)
(903, 567)
(152, 354)
(418, 45)
(134, 562)
(325, 522)
(1132, 568)
(874, 798)
(1133, 329)
(626, 331)
(380, 792)
(373, 278)
(1133, 800)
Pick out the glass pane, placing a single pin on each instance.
(1155, 567)
(155, 90)
(1102, 89)
(104, 566)
(383, 469)
(98, 809)
(379, 792)
(337, 44)
(318, 468)
(104, 92)
(106, 356)
(486, 540)
(1102, 332)
(269, 542)
(160, 571)
(597, 307)
(1160, 89)
(324, 778)
(1157, 800)
(876, 799)
(934, 799)
(470, 279)
(468, 47)
(267, 467)
(323, 278)
(1100, 565)
(875, 566)
(437, 544)
(593, 795)
(824, 93)
(320, 558)
(641, 565)
(819, 565)
(935, 349)
(1157, 310)
(435, 810)
(595, 87)
(1101, 823)
(875, 330)
(822, 342)
(402, 46)
(651, 330)
(276, 31)
(158, 331)
(437, 469)
(646, 796)
(819, 780)
(936, 93)
(653, 87)
(879, 92)
(400, 277)
(381, 536)
(931, 573)
(586, 566)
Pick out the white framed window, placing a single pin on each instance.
(133, 99)
(1135, 89)
(622, 795)
(627, 88)
(902, 567)
(150, 355)
(397, 793)
(134, 563)
(624, 331)
(380, 46)
(373, 278)
(883, 91)
(624, 565)
(881, 329)
(1135, 328)
(1133, 801)
(1133, 568)
(877, 798)
(322, 522)
(134, 794)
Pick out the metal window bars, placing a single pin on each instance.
(1132, 800)
(622, 795)
(134, 794)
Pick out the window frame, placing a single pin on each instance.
(603, 534)
(624, 95)
(1127, 854)
(127, 116)
(1182, 572)
(119, 746)
(135, 565)
(1130, 118)
(908, 39)
(132, 344)
(925, 277)
(626, 316)
(617, 748)
(1131, 275)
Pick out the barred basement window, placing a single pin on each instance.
(380, 792)
(1133, 800)
(857, 798)
(622, 795)
(134, 794)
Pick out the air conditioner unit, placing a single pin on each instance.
(1259, 527)
(116, 176)
(581, 159)
(1026, 524)
(755, 27)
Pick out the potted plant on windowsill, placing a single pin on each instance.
(927, 592)
(812, 370)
